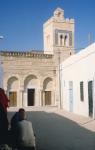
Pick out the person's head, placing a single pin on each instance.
(22, 114)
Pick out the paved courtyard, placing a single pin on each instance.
(59, 130)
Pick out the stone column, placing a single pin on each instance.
(40, 97)
(36, 102)
(21, 96)
(43, 95)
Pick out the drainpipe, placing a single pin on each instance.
(59, 73)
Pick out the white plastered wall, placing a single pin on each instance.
(77, 68)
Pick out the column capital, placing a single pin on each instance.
(21, 88)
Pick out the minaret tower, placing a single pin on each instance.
(59, 35)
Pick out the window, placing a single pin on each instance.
(81, 91)
(61, 40)
(65, 40)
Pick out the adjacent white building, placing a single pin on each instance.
(77, 76)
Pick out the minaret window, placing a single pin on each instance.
(61, 39)
(65, 40)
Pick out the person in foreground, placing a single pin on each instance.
(3, 117)
(25, 134)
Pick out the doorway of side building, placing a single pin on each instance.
(13, 99)
(47, 97)
(31, 97)
(90, 98)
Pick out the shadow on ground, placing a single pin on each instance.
(55, 132)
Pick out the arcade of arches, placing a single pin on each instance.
(30, 91)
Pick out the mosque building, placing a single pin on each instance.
(32, 78)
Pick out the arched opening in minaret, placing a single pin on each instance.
(61, 39)
(65, 40)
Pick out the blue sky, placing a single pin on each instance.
(21, 22)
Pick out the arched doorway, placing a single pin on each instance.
(12, 87)
(47, 87)
(30, 89)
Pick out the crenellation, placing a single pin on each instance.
(26, 54)
(67, 20)
(72, 20)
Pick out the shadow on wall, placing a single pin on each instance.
(55, 132)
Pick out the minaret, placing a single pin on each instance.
(59, 35)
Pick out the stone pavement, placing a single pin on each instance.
(60, 130)
(87, 122)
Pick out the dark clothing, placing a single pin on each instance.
(3, 99)
(12, 133)
(3, 125)
(26, 148)
(3, 117)
(14, 120)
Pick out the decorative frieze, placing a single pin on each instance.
(26, 54)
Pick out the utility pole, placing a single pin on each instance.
(89, 39)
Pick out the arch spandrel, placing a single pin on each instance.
(31, 81)
(12, 83)
(47, 83)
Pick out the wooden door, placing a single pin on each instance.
(90, 98)
(13, 98)
(31, 96)
(47, 97)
